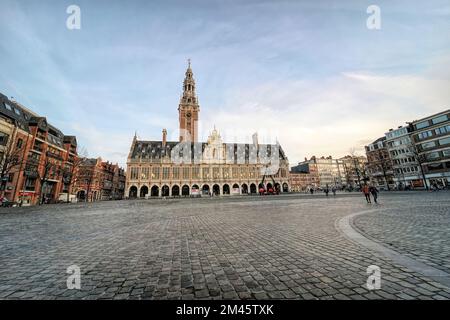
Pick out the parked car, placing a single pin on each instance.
(195, 193)
(63, 198)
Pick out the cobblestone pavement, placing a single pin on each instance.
(420, 230)
(275, 247)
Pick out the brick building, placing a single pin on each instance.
(379, 165)
(99, 180)
(304, 177)
(354, 171)
(39, 154)
(119, 183)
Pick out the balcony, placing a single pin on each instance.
(107, 185)
(38, 147)
(54, 155)
(40, 136)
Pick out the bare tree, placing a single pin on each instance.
(85, 175)
(44, 176)
(420, 158)
(43, 169)
(383, 163)
(11, 159)
(88, 176)
(355, 168)
(70, 171)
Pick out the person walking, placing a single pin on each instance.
(374, 191)
(327, 190)
(366, 191)
(311, 190)
(334, 191)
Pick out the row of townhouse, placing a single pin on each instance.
(346, 172)
(414, 156)
(100, 180)
(39, 164)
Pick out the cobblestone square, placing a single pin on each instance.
(272, 247)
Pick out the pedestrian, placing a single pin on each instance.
(327, 190)
(311, 190)
(366, 191)
(334, 191)
(374, 191)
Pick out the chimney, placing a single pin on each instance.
(255, 138)
(164, 138)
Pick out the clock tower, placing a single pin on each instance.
(188, 108)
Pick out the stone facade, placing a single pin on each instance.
(188, 168)
(431, 136)
(330, 171)
(188, 109)
(415, 156)
(407, 171)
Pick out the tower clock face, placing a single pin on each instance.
(188, 114)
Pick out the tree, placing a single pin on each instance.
(44, 175)
(420, 158)
(11, 159)
(88, 176)
(70, 171)
(70, 176)
(42, 168)
(356, 165)
(85, 175)
(383, 163)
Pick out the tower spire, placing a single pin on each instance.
(188, 108)
(189, 95)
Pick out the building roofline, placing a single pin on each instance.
(429, 117)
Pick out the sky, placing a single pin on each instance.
(308, 74)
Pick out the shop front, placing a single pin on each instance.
(26, 198)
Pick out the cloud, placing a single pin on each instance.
(308, 74)
(330, 116)
(111, 146)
